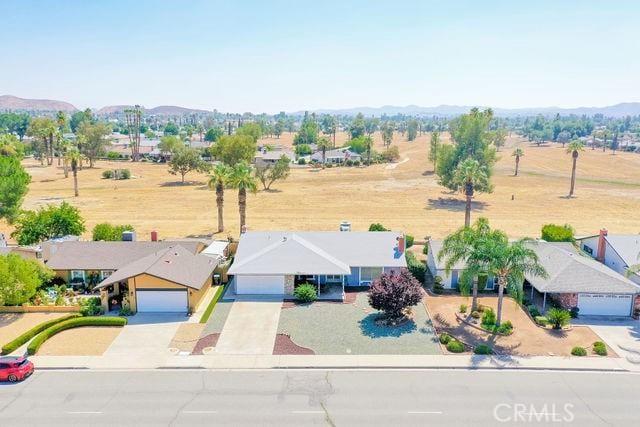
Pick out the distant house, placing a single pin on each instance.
(165, 276)
(275, 262)
(265, 156)
(617, 251)
(336, 156)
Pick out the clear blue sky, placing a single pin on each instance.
(292, 55)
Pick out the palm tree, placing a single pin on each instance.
(242, 179)
(219, 178)
(470, 176)
(368, 145)
(574, 148)
(517, 153)
(509, 262)
(324, 144)
(459, 246)
(74, 158)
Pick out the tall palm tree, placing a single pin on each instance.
(517, 153)
(219, 179)
(369, 146)
(324, 144)
(459, 246)
(73, 157)
(574, 148)
(508, 261)
(470, 177)
(242, 179)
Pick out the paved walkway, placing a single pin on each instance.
(147, 335)
(623, 336)
(251, 327)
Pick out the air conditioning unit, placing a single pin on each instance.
(345, 226)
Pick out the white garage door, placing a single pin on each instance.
(162, 301)
(260, 285)
(604, 304)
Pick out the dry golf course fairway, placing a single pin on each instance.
(404, 196)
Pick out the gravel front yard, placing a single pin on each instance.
(526, 340)
(330, 328)
(84, 341)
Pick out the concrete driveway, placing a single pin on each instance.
(623, 336)
(146, 335)
(251, 327)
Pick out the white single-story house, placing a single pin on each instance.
(265, 156)
(275, 262)
(336, 156)
(616, 251)
(438, 267)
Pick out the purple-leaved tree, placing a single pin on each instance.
(393, 292)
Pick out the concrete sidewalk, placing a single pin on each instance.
(218, 361)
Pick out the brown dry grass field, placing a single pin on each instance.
(402, 196)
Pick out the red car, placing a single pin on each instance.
(15, 368)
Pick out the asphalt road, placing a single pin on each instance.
(317, 397)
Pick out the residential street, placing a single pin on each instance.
(319, 397)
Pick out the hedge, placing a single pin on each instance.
(35, 344)
(11, 346)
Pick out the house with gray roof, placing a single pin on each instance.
(336, 156)
(619, 252)
(275, 262)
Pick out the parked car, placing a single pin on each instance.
(14, 369)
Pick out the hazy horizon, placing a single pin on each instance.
(278, 56)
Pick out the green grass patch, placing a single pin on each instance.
(207, 313)
(35, 344)
(14, 344)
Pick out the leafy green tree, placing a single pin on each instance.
(412, 130)
(15, 123)
(219, 179)
(324, 144)
(499, 138)
(358, 145)
(14, 184)
(303, 150)
(44, 129)
(330, 126)
(11, 146)
(376, 226)
(149, 134)
(371, 125)
(79, 117)
(469, 177)
(309, 131)
(387, 134)
(558, 233)
(213, 134)
(171, 129)
(243, 180)
(48, 222)
(253, 130)
(517, 153)
(110, 232)
(434, 143)
(278, 128)
(94, 140)
(574, 148)
(368, 144)
(20, 279)
(185, 160)
(270, 173)
(357, 127)
(234, 149)
(169, 144)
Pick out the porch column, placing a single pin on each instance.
(318, 285)
(544, 301)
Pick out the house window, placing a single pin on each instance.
(105, 273)
(77, 275)
(334, 278)
(587, 249)
(369, 274)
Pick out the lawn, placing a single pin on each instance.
(335, 328)
(526, 340)
(405, 197)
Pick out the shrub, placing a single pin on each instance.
(302, 161)
(417, 268)
(348, 162)
(463, 308)
(125, 311)
(13, 345)
(445, 338)
(90, 306)
(558, 317)
(391, 154)
(112, 155)
(438, 287)
(455, 346)
(376, 226)
(109, 232)
(408, 239)
(329, 165)
(533, 310)
(541, 320)
(356, 163)
(122, 174)
(488, 317)
(599, 348)
(578, 351)
(425, 249)
(107, 174)
(482, 349)
(306, 292)
(505, 327)
(35, 344)
(475, 314)
(574, 312)
(482, 308)
(558, 233)
(394, 292)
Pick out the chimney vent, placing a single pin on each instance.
(154, 236)
(345, 226)
(401, 244)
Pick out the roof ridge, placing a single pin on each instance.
(319, 251)
(261, 252)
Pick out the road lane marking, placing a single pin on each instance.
(83, 412)
(199, 412)
(425, 412)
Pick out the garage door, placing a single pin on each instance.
(162, 301)
(260, 285)
(604, 304)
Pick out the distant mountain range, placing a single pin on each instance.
(13, 103)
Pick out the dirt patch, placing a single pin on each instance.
(187, 336)
(526, 340)
(13, 325)
(208, 341)
(84, 341)
(284, 345)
